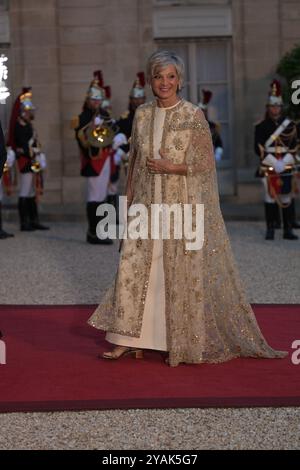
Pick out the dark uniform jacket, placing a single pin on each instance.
(2, 151)
(22, 135)
(265, 128)
(125, 127)
(216, 138)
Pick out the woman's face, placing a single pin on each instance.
(165, 83)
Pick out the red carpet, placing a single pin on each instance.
(52, 365)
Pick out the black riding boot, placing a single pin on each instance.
(287, 215)
(23, 207)
(3, 233)
(277, 217)
(93, 220)
(34, 216)
(270, 215)
(295, 224)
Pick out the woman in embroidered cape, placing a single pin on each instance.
(190, 303)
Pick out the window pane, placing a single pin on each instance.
(211, 62)
(185, 92)
(218, 106)
(211, 67)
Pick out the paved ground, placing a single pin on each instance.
(58, 267)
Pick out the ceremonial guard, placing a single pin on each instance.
(106, 102)
(95, 131)
(2, 151)
(119, 154)
(276, 146)
(3, 169)
(5, 186)
(137, 97)
(31, 160)
(214, 127)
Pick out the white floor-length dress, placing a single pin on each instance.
(153, 333)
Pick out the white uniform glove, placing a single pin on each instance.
(119, 156)
(98, 121)
(218, 153)
(11, 157)
(41, 159)
(119, 139)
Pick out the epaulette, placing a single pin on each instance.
(125, 115)
(74, 122)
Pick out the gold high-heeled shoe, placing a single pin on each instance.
(120, 351)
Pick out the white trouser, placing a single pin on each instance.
(284, 198)
(97, 186)
(27, 188)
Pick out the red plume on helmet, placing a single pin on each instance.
(15, 112)
(26, 89)
(98, 77)
(138, 89)
(141, 79)
(107, 92)
(275, 94)
(207, 96)
(275, 88)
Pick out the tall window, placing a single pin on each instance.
(208, 64)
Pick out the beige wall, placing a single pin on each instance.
(35, 62)
(57, 44)
(105, 34)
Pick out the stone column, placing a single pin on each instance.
(34, 53)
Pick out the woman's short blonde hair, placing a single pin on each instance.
(161, 59)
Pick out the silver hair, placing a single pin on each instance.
(161, 59)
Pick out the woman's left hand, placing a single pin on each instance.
(160, 165)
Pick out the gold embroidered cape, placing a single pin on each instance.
(208, 318)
